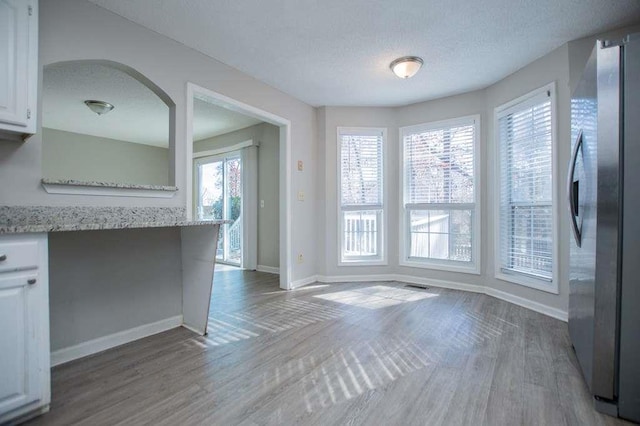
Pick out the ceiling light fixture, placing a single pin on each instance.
(406, 67)
(99, 107)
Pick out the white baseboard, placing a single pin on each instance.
(411, 279)
(440, 283)
(100, 344)
(529, 304)
(268, 269)
(355, 278)
(304, 281)
(188, 327)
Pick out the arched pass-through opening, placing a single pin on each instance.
(129, 126)
(284, 126)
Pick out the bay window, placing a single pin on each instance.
(526, 226)
(440, 215)
(362, 203)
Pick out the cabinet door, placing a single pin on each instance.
(19, 384)
(14, 55)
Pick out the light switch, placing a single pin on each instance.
(300, 195)
(300, 165)
(262, 204)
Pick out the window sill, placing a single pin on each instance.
(376, 262)
(471, 269)
(75, 187)
(541, 285)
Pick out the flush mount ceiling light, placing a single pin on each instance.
(99, 107)
(406, 67)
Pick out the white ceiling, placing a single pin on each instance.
(210, 120)
(139, 115)
(336, 52)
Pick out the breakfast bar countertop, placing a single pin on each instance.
(24, 219)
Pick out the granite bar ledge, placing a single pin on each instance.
(25, 219)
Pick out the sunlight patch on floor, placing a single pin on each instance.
(377, 296)
(272, 317)
(333, 376)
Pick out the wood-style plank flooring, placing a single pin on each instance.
(339, 354)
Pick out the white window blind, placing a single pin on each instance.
(439, 192)
(439, 165)
(361, 170)
(361, 194)
(526, 188)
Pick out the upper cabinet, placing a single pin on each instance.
(18, 68)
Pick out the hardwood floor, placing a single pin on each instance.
(349, 353)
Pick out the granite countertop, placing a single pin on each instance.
(73, 182)
(23, 219)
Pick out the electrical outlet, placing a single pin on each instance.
(300, 195)
(262, 204)
(300, 165)
(300, 258)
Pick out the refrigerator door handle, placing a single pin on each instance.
(571, 192)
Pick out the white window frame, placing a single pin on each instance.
(381, 258)
(531, 98)
(472, 267)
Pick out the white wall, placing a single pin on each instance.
(76, 29)
(67, 155)
(268, 137)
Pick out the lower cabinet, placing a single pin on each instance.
(24, 326)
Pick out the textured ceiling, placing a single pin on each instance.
(211, 120)
(336, 52)
(139, 115)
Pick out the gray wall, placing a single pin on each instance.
(103, 282)
(268, 190)
(268, 183)
(553, 67)
(228, 139)
(562, 66)
(549, 68)
(74, 30)
(67, 155)
(331, 119)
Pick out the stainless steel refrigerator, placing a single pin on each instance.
(603, 188)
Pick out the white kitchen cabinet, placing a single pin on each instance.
(24, 326)
(18, 68)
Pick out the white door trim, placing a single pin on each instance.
(193, 91)
(236, 147)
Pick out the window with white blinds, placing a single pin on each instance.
(440, 219)
(526, 203)
(361, 194)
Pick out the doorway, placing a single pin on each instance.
(219, 188)
(265, 165)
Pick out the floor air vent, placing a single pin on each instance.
(421, 287)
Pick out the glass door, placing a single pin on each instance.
(219, 184)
